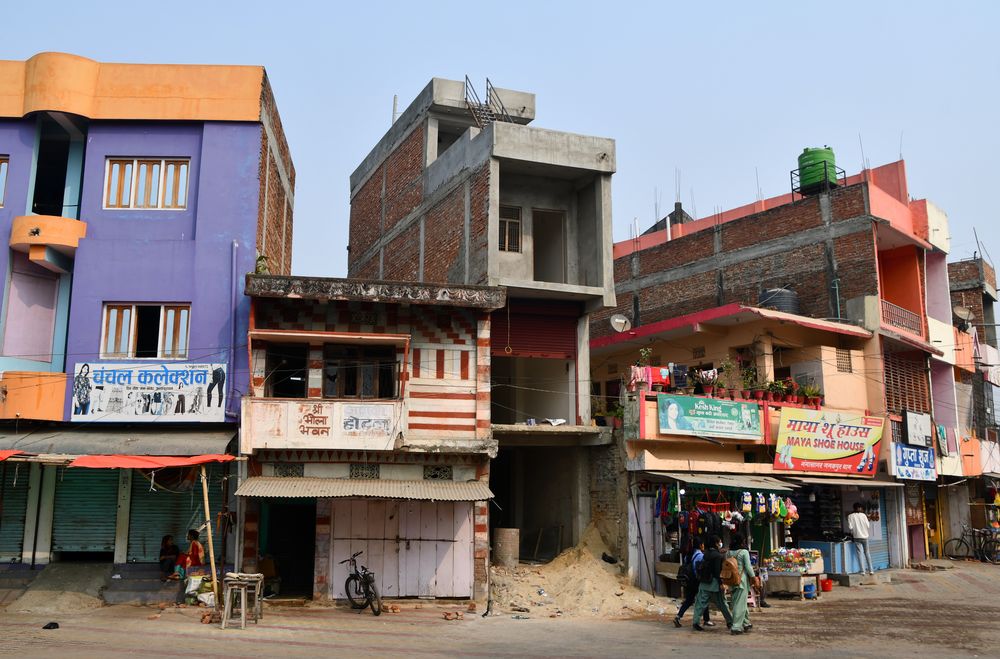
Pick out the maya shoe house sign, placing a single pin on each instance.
(828, 441)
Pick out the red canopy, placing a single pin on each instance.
(145, 461)
(8, 453)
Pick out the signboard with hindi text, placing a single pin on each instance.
(149, 392)
(828, 442)
(320, 424)
(708, 417)
(914, 463)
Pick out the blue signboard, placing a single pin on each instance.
(913, 463)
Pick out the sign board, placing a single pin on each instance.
(149, 392)
(942, 438)
(913, 463)
(918, 429)
(828, 442)
(316, 424)
(709, 417)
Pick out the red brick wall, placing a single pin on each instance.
(443, 239)
(479, 225)
(401, 174)
(274, 214)
(402, 258)
(803, 267)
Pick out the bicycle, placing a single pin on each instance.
(978, 543)
(360, 586)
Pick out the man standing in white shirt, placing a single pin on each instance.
(860, 528)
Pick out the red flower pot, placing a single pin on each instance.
(745, 394)
(758, 394)
(708, 389)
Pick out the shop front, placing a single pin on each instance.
(834, 457)
(916, 467)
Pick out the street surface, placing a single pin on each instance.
(948, 613)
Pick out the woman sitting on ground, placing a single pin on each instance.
(194, 557)
(168, 556)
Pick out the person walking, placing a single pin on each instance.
(860, 528)
(691, 583)
(739, 552)
(710, 589)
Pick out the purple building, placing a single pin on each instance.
(136, 199)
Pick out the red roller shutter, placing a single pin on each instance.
(535, 332)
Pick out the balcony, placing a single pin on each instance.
(49, 240)
(38, 396)
(301, 423)
(900, 318)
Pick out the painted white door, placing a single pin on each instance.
(415, 548)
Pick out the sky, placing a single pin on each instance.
(721, 94)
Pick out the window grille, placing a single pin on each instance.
(438, 473)
(844, 361)
(289, 469)
(365, 471)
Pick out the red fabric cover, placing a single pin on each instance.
(145, 461)
(7, 453)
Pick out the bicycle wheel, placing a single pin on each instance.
(355, 592)
(991, 551)
(957, 549)
(375, 600)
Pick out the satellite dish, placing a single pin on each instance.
(620, 323)
(964, 313)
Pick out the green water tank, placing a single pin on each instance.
(817, 170)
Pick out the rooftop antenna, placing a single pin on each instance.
(694, 207)
(864, 161)
(677, 184)
(656, 205)
(760, 195)
(395, 107)
(900, 145)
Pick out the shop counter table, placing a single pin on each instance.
(792, 582)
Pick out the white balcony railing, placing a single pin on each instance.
(281, 423)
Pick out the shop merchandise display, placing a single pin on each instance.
(792, 561)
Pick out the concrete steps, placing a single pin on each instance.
(139, 583)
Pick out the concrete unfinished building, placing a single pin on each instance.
(463, 191)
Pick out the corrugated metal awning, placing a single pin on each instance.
(732, 481)
(429, 490)
(860, 482)
(124, 441)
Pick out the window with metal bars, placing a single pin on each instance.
(364, 471)
(510, 229)
(844, 361)
(438, 473)
(142, 183)
(289, 469)
(906, 386)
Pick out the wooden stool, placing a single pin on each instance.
(238, 584)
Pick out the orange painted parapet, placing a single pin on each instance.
(32, 395)
(68, 83)
(971, 456)
(965, 352)
(62, 234)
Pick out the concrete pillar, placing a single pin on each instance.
(122, 516)
(42, 551)
(580, 496)
(583, 370)
(74, 179)
(33, 472)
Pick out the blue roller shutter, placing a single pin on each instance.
(170, 511)
(86, 507)
(14, 500)
(880, 548)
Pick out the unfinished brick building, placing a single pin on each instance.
(463, 191)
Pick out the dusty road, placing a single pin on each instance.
(939, 614)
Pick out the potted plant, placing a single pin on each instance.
(812, 394)
(692, 381)
(730, 375)
(775, 391)
(748, 376)
(791, 391)
(617, 413)
(707, 380)
(640, 368)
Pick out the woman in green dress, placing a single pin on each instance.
(739, 551)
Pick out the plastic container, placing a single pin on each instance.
(826, 585)
(809, 590)
(817, 169)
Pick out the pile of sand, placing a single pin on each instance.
(64, 588)
(576, 583)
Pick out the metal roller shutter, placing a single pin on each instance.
(880, 548)
(85, 510)
(534, 333)
(156, 513)
(14, 500)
